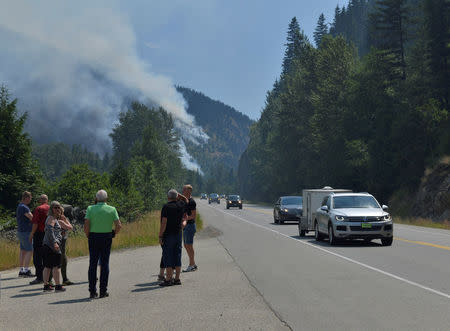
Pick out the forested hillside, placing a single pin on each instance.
(371, 123)
(145, 163)
(228, 132)
(56, 158)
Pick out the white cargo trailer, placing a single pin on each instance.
(312, 200)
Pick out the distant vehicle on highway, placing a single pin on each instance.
(353, 216)
(213, 197)
(312, 199)
(204, 196)
(288, 208)
(234, 200)
(223, 196)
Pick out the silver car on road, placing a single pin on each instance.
(353, 216)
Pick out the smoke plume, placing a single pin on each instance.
(72, 64)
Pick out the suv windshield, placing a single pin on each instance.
(292, 201)
(234, 197)
(213, 195)
(355, 201)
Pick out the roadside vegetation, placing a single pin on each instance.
(425, 222)
(140, 233)
(365, 107)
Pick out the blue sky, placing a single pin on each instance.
(229, 50)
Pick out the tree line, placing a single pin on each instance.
(144, 164)
(369, 120)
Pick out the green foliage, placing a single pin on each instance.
(364, 124)
(56, 158)
(321, 30)
(79, 185)
(18, 171)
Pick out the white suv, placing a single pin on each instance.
(353, 216)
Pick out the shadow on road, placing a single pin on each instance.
(68, 302)
(15, 286)
(343, 243)
(25, 295)
(146, 287)
(10, 278)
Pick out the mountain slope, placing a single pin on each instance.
(228, 131)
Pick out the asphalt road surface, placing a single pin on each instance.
(216, 297)
(353, 286)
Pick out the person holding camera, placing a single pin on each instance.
(98, 225)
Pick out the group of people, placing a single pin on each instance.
(43, 234)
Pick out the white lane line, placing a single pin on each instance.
(445, 295)
(408, 227)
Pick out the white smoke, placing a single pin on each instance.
(73, 63)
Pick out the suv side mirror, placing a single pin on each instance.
(324, 208)
(384, 207)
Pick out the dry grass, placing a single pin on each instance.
(9, 254)
(143, 232)
(426, 222)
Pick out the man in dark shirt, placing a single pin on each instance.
(173, 220)
(37, 236)
(190, 229)
(24, 226)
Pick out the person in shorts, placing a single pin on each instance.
(190, 229)
(24, 227)
(172, 222)
(52, 246)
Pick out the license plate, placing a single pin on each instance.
(366, 225)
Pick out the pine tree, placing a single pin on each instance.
(321, 30)
(18, 172)
(388, 22)
(295, 40)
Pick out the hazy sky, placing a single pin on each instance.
(229, 50)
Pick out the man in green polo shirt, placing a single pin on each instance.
(98, 225)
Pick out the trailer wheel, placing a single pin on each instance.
(302, 233)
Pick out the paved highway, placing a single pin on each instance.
(353, 286)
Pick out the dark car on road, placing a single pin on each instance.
(204, 196)
(234, 200)
(214, 197)
(288, 208)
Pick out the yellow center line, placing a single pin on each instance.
(423, 243)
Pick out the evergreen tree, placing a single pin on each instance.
(295, 41)
(321, 30)
(18, 172)
(389, 26)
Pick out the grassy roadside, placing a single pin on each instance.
(425, 222)
(143, 232)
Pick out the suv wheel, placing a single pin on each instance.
(332, 239)
(318, 235)
(387, 241)
(275, 219)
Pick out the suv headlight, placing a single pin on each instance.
(387, 217)
(339, 218)
(285, 210)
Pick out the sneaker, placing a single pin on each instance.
(28, 274)
(191, 268)
(104, 295)
(161, 278)
(176, 282)
(93, 295)
(59, 288)
(48, 288)
(166, 283)
(36, 281)
(21, 273)
(67, 282)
